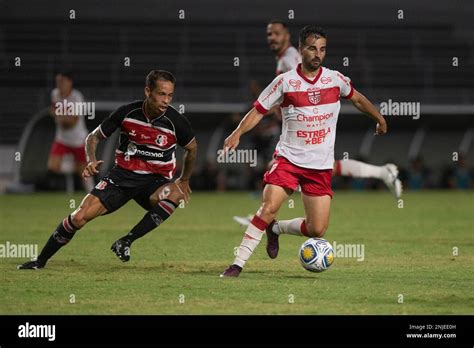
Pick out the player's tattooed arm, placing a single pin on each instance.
(189, 158)
(91, 145)
(364, 105)
(250, 120)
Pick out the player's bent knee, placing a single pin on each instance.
(78, 218)
(316, 231)
(176, 196)
(268, 210)
(82, 216)
(168, 191)
(90, 208)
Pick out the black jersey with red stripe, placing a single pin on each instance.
(147, 146)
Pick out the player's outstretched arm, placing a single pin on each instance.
(365, 106)
(250, 120)
(91, 145)
(189, 158)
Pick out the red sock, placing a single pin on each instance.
(303, 229)
(259, 223)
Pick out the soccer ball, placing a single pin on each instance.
(316, 255)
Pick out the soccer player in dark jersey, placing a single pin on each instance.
(150, 131)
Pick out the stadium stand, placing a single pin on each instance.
(386, 61)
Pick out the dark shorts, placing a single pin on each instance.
(121, 185)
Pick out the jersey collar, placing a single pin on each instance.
(312, 82)
(147, 117)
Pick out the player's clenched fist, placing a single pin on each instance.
(231, 142)
(381, 128)
(91, 169)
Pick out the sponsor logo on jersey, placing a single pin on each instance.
(345, 79)
(273, 90)
(133, 150)
(296, 84)
(325, 80)
(313, 137)
(314, 118)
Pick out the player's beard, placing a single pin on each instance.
(275, 47)
(313, 64)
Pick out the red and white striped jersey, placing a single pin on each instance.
(310, 109)
(147, 146)
(288, 60)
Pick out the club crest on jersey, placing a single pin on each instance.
(296, 84)
(101, 185)
(314, 95)
(162, 140)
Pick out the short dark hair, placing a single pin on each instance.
(278, 21)
(66, 74)
(310, 30)
(156, 75)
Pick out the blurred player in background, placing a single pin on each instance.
(287, 58)
(150, 131)
(305, 152)
(279, 41)
(71, 130)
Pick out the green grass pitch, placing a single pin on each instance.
(174, 269)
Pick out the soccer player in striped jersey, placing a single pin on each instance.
(309, 98)
(288, 57)
(145, 164)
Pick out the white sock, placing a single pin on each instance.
(251, 239)
(359, 169)
(288, 227)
